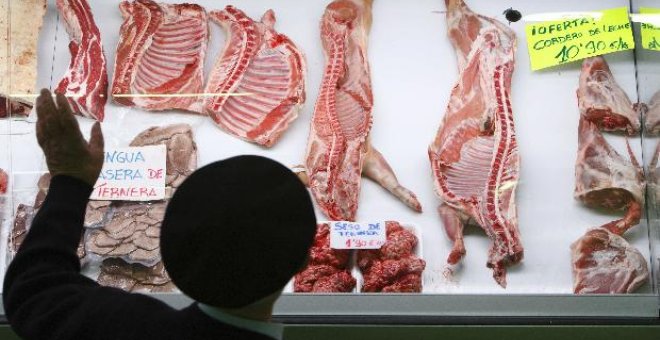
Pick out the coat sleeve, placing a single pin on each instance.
(44, 294)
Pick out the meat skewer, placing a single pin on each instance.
(474, 156)
(339, 150)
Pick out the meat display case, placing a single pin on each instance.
(413, 70)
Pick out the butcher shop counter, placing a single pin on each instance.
(413, 69)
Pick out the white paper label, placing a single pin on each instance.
(132, 174)
(354, 235)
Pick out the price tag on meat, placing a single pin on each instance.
(560, 42)
(650, 28)
(132, 174)
(354, 235)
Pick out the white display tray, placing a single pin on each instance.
(413, 70)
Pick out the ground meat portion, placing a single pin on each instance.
(327, 270)
(324, 279)
(393, 268)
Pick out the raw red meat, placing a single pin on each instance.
(652, 119)
(604, 262)
(265, 65)
(393, 268)
(324, 279)
(13, 108)
(4, 180)
(604, 179)
(602, 101)
(338, 150)
(160, 56)
(86, 82)
(474, 156)
(327, 268)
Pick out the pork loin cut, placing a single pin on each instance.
(604, 179)
(160, 56)
(602, 101)
(20, 23)
(263, 64)
(86, 82)
(604, 263)
(338, 150)
(474, 156)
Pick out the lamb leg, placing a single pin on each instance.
(377, 169)
(454, 225)
(631, 219)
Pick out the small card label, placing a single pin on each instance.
(132, 174)
(651, 31)
(354, 235)
(559, 42)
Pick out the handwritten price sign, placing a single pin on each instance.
(560, 42)
(651, 32)
(353, 235)
(132, 174)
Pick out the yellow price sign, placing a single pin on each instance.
(559, 42)
(651, 32)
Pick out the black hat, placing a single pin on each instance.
(236, 231)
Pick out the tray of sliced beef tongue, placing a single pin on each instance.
(396, 267)
(121, 237)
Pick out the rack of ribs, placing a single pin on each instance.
(474, 156)
(264, 65)
(338, 149)
(160, 56)
(86, 82)
(602, 101)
